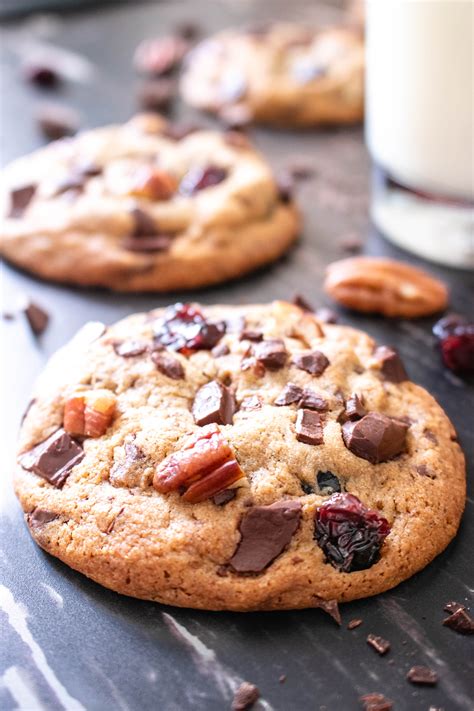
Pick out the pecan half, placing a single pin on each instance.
(89, 414)
(153, 184)
(385, 286)
(203, 467)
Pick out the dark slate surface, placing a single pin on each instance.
(66, 642)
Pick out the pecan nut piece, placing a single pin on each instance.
(152, 184)
(89, 414)
(205, 466)
(385, 286)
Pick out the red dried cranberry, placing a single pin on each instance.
(185, 329)
(199, 178)
(349, 533)
(457, 349)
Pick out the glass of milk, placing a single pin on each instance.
(419, 125)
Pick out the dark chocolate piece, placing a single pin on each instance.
(376, 702)
(460, 621)
(130, 349)
(290, 393)
(213, 402)
(422, 675)
(312, 401)
(331, 607)
(57, 121)
(391, 365)
(54, 458)
(353, 624)
(285, 186)
(39, 517)
(355, 409)
(265, 532)
(314, 362)
(143, 224)
(245, 697)
(168, 365)
(376, 437)
(328, 483)
(300, 301)
(248, 335)
(157, 94)
(309, 427)
(37, 318)
(41, 73)
(381, 645)
(453, 607)
(223, 497)
(272, 353)
(20, 198)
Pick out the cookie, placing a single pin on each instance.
(281, 74)
(146, 206)
(237, 458)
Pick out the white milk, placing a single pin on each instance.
(419, 124)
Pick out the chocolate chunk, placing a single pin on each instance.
(422, 675)
(143, 224)
(245, 697)
(290, 393)
(252, 402)
(39, 517)
(376, 702)
(265, 532)
(326, 315)
(155, 243)
(355, 409)
(309, 427)
(352, 624)
(41, 73)
(54, 458)
(201, 177)
(251, 336)
(328, 483)
(213, 402)
(57, 121)
(312, 401)
(20, 198)
(391, 365)
(168, 365)
(314, 362)
(130, 349)
(272, 353)
(37, 318)
(157, 95)
(223, 497)
(220, 350)
(329, 606)
(453, 607)
(460, 621)
(380, 644)
(300, 301)
(376, 437)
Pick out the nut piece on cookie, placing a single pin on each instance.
(204, 466)
(89, 414)
(153, 184)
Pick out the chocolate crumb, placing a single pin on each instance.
(300, 301)
(422, 675)
(309, 427)
(352, 624)
(245, 697)
(39, 517)
(460, 621)
(314, 362)
(20, 198)
(453, 607)
(380, 644)
(223, 497)
(168, 365)
(248, 335)
(282, 678)
(37, 318)
(376, 702)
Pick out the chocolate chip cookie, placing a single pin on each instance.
(280, 74)
(146, 206)
(237, 458)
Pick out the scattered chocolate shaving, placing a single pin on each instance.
(157, 94)
(328, 483)
(422, 675)
(329, 606)
(20, 198)
(39, 517)
(376, 702)
(376, 437)
(353, 624)
(272, 353)
(265, 533)
(220, 350)
(245, 697)
(381, 645)
(37, 318)
(453, 607)
(168, 365)
(391, 365)
(314, 362)
(290, 393)
(300, 301)
(252, 402)
(54, 458)
(223, 497)
(213, 402)
(460, 621)
(309, 427)
(57, 121)
(130, 349)
(248, 335)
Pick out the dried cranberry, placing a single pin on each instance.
(457, 349)
(185, 329)
(349, 533)
(199, 178)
